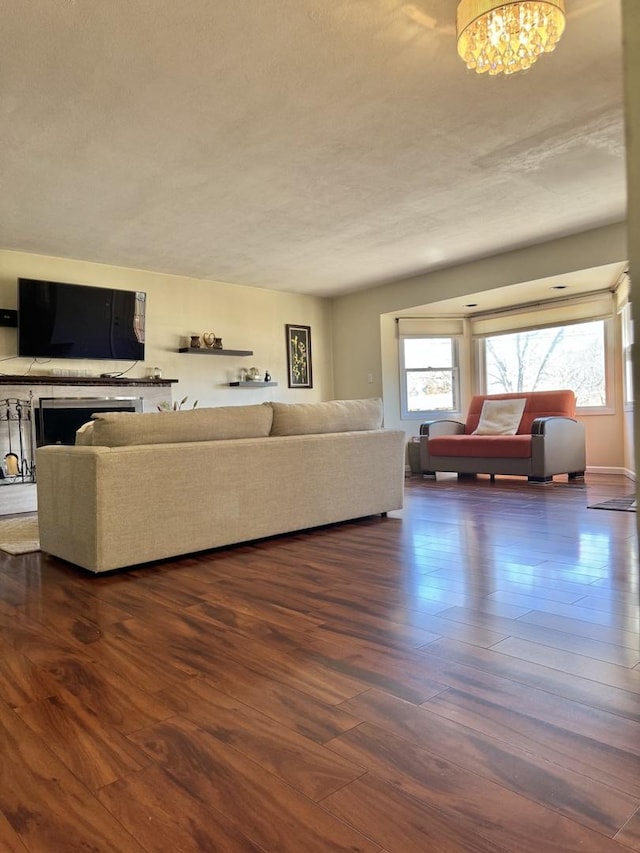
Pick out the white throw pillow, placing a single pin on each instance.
(500, 417)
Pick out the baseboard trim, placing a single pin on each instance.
(604, 469)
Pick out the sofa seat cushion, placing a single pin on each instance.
(332, 416)
(120, 429)
(482, 446)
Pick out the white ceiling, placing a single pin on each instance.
(317, 146)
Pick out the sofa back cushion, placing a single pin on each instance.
(84, 435)
(332, 416)
(540, 404)
(118, 429)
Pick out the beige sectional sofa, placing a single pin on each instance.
(143, 487)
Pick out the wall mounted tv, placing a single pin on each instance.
(58, 320)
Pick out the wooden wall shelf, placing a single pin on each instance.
(251, 384)
(116, 382)
(211, 351)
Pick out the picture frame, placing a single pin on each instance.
(299, 367)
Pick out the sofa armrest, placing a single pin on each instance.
(442, 427)
(431, 429)
(543, 426)
(557, 445)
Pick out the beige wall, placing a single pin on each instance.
(631, 39)
(244, 317)
(606, 433)
(364, 334)
(629, 450)
(353, 337)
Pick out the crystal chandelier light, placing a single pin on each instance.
(505, 37)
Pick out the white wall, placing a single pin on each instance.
(245, 318)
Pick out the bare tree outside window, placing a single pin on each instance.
(544, 359)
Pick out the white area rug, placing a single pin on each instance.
(19, 535)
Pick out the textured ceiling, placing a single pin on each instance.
(317, 146)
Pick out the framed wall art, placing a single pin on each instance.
(299, 356)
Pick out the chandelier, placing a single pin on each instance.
(505, 37)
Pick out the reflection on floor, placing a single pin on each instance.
(463, 675)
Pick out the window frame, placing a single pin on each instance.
(430, 414)
(607, 408)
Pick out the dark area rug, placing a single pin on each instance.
(623, 504)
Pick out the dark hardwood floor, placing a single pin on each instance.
(464, 676)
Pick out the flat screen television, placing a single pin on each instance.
(59, 320)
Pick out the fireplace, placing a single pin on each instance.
(58, 418)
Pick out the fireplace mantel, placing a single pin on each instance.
(31, 379)
(154, 392)
(31, 387)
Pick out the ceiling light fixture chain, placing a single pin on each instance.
(504, 37)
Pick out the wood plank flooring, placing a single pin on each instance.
(462, 676)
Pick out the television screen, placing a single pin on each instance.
(58, 320)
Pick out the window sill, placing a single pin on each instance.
(589, 411)
(432, 416)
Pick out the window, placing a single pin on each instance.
(429, 368)
(570, 356)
